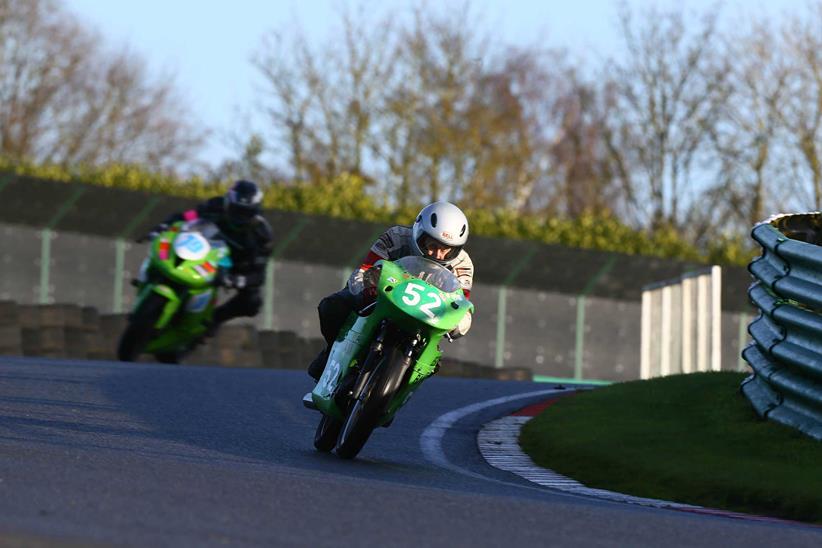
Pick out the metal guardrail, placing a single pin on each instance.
(786, 352)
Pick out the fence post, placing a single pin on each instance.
(579, 345)
(279, 249)
(502, 316)
(716, 318)
(346, 271)
(701, 331)
(743, 339)
(502, 300)
(687, 326)
(4, 180)
(645, 342)
(45, 249)
(665, 353)
(120, 252)
(45, 265)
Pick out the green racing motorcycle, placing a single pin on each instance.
(385, 351)
(177, 291)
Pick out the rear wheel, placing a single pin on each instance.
(326, 435)
(140, 327)
(368, 409)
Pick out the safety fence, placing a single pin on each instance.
(64, 331)
(786, 355)
(682, 325)
(565, 313)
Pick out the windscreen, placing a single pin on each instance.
(186, 247)
(209, 230)
(430, 272)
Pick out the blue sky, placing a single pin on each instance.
(207, 44)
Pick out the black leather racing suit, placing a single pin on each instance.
(250, 245)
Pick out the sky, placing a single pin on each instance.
(208, 44)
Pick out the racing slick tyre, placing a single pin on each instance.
(326, 435)
(371, 405)
(140, 328)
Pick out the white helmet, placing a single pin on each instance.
(441, 224)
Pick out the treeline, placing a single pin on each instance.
(691, 132)
(347, 196)
(67, 99)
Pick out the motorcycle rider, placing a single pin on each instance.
(438, 233)
(250, 239)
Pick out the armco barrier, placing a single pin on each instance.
(786, 355)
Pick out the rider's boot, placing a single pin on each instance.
(316, 368)
(315, 371)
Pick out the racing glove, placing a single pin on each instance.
(369, 281)
(233, 281)
(153, 233)
(369, 294)
(461, 329)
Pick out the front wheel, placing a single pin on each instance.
(326, 435)
(370, 406)
(140, 329)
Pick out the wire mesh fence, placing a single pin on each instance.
(557, 334)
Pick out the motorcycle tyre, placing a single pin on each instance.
(140, 329)
(368, 409)
(327, 432)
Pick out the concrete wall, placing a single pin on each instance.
(67, 331)
(539, 329)
(82, 230)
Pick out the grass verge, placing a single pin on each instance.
(686, 438)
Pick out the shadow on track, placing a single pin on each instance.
(251, 414)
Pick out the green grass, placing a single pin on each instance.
(686, 438)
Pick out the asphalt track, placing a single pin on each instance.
(103, 454)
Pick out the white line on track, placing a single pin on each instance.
(432, 436)
(498, 443)
(431, 445)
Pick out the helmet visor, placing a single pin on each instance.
(436, 250)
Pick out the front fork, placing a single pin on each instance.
(375, 355)
(171, 307)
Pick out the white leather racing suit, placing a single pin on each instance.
(397, 242)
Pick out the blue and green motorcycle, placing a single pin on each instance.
(177, 292)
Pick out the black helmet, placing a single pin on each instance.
(242, 202)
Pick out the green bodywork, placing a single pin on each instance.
(188, 285)
(411, 304)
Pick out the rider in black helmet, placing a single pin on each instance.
(249, 236)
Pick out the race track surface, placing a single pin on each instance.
(103, 454)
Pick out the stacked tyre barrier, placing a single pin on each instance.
(66, 331)
(786, 352)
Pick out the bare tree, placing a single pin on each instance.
(581, 163)
(322, 103)
(667, 95)
(478, 122)
(433, 115)
(747, 136)
(800, 108)
(65, 99)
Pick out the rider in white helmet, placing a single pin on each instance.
(438, 233)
